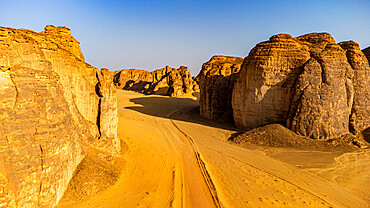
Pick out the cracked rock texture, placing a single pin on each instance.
(52, 109)
(166, 81)
(313, 85)
(107, 118)
(360, 114)
(216, 82)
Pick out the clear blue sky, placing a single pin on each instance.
(151, 34)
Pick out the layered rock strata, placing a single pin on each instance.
(53, 108)
(165, 81)
(313, 85)
(216, 82)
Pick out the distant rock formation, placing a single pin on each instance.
(314, 86)
(366, 51)
(53, 107)
(216, 82)
(165, 81)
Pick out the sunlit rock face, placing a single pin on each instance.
(216, 81)
(108, 111)
(310, 83)
(360, 113)
(166, 81)
(50, 110)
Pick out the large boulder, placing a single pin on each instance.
(309, 83)
(49, 112)
(166, 81)
(216, 82)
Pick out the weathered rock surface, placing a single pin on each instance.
(360, 113)
(165, 81)
(310, 83)
(216, 81)
(50, 111)
(108, 111)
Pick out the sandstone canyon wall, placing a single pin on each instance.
(216, 82)
(165, 81)
(53, 107)
(313, 85)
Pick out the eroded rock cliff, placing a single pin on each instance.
(311, 84)
(53, 108)
(216, 82)
(107, 113)
(165, 81)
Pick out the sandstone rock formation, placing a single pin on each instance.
(165, 81)
(313, 85)
(360, 112)
(52, 109)
(366, 51)
(216, 81)
(107, 118)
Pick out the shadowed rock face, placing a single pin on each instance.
(165, 81)
(366, 51)
(310, 83)
(53, 107)
(216, 81)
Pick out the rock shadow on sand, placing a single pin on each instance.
(181, 109)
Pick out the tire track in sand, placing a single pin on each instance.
(207, 178)
(310, 190)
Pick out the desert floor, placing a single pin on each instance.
(173, 158)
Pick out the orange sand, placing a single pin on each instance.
(176, 163)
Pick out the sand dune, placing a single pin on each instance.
(187, 162)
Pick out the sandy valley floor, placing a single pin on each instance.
(170, 161)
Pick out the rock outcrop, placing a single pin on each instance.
(53, 108)
(107, 119)
(313, 85)
(360, 113)
(216, 82)
(165, 81)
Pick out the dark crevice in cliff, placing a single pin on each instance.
(98, 117)
(42, 169)
(294, 103)
(350, 99)
(324, 77)
(97, 91)
(42, 157)
(16, 91)
(294, 109)
(352, 122)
